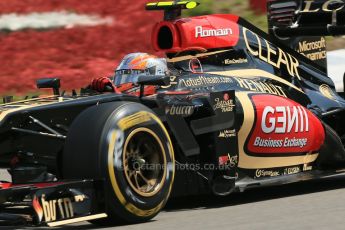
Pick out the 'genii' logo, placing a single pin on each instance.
(203, 33)
(282, 119)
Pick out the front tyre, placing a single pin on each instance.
(127, 145)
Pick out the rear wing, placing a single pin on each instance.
(306, 17)
(301, 24)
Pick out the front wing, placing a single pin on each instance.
(51, 204)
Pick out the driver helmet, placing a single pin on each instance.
(138, 64)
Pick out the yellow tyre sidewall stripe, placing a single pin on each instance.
(111, 151)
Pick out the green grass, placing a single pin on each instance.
(238, 7)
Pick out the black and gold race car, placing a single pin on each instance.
(239, 109)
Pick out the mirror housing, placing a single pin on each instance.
(162, 80)
(49, 83)
(154, 80)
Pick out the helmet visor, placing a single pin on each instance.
(127, 76)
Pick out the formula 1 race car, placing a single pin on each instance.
(239, 109)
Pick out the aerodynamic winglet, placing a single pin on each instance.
(172, 9)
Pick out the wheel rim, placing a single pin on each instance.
(144, 162)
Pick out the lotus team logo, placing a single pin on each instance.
(327, 91)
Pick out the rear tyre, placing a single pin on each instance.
(127, 145)
(332, 152)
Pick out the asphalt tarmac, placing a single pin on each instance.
(318, 204)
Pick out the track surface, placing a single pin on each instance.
(316, 204)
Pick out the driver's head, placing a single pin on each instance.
(138, 64)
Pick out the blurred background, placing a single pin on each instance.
(75, 40)
(80, 40)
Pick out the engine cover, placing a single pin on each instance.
(196, 33)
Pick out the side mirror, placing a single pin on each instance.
(153, 80)
(49, 83)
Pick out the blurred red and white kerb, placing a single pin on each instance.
(50, 20)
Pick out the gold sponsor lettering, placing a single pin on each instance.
(270, 56)
(316, 55)
(260, 49)
(307, 167)
(133, 120)
(63, 206)
(253, 52)
(49, 209)
(294, 66)
(307, 7)
(227, 133)
(305, 46)
(259, 86)
(79, 198)
(224, 105)
(269, 52)
(284, 60)
(325, 7)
